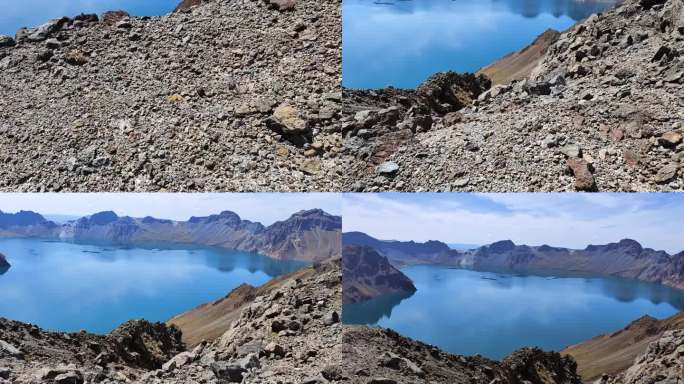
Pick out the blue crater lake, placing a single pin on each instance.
(402, 42)
(493, 314)
(68, 287)
(31, 13)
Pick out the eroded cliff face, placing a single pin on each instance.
(237, 95)
(601, 112)
(366, 274)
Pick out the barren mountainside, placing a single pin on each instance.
(616, 352)
(231, 95)
(307, 235)
(601, 111)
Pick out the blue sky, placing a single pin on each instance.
(571, 220)
(263, 207)
(30, 13)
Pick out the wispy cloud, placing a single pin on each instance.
(571, 220)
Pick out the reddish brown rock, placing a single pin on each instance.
(617, 134)
(113, 17)
(631, 158)
(584, 179)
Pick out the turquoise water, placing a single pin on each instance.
(401, 43)
(493, 314)
(69, 287)
(31, 13)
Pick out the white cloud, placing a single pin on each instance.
(570, 220)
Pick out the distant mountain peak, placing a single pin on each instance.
(103, 218)
(501, 246)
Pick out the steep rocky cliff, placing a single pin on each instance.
(239, 95)
(602, 111)
(614, 353)
(366, 274)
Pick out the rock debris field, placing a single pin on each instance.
(230, 95)
(602, 111)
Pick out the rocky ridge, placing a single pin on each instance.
(307, 235)
(366, 274)
(601, 111)
(382, 356)
(30, 355)
(239, 95)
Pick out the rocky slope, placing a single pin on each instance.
(289, 333)
(626, 258)
(307, 235)
(519, 65)
(661, 363)
(602, 111)
(382, 356)
(614, 353)
(366, 274)
(230, 95)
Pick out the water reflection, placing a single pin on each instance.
(494, 313)
(68, 286)
(371, 311)
(403, 43)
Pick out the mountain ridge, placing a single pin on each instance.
(308, 235)
(625, 258)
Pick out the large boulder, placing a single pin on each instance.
(148, 345)
(449, 91)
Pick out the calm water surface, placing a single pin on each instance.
(493, 314)
(68, 287)
(402, 42)
(31, 13)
